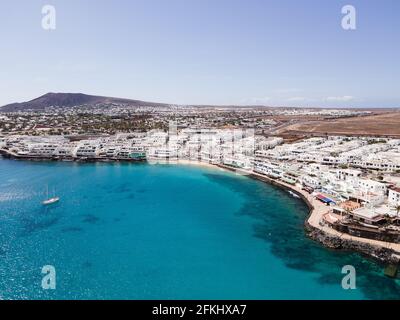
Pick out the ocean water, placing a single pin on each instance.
(140, 231)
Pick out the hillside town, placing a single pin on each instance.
(115, 118)
(357, 178)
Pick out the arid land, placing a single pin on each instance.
(380, 123)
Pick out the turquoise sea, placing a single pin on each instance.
(140, 231)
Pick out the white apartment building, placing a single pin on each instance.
(46, 150)
(347, 174)
(310, 181)
(87, 149)
(394, 196)
(65, 151)
(371, 186)
(239, 161)
(163, 153)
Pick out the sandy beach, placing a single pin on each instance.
(185, 162)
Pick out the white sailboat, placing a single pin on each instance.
(50, 200)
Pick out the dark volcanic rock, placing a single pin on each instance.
(378, 253)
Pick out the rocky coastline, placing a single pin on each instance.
(383, 255)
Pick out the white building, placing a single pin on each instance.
(368, 185)
(87, 149)
(394, 196)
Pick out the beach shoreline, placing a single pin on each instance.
(185, 162)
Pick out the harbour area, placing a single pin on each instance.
(350, 184)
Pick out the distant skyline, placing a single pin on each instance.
(264, 52)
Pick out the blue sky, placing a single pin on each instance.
(272, 52)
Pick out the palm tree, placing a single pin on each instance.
(398, 209)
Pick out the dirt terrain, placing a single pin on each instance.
(382, 124)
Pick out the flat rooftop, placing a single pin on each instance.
(375, 212)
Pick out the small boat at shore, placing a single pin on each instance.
(294, 195)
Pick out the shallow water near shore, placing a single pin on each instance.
(139, 231)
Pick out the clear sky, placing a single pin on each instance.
(272, 52)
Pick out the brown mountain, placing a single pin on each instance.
(71, 100)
